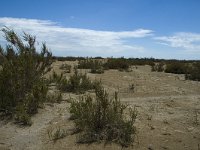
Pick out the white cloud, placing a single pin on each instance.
(184, 40)
(62, 39)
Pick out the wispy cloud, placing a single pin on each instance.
(189, 42)
(61, 39)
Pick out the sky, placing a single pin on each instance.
(168, 29)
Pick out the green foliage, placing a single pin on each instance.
(55, 78)
(102, 118)
(143, 61)
(117, 63)
(77, 83)
(96, 66)
(176, 67)
(22, 83)
(68, 58)
(194, 72)
(21, 116)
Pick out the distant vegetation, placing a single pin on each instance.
(66, 68)
(77, 83)
(97, 65)
(121, 64)
(177, 67)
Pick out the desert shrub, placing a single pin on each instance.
(194, 72)
(68, 58)
(77, 83)
(102, 118)
(176, 67)
(55, 78)
(97, 70)
(56, 133)
(22, 85)
(142, 61)
(66, 68)
(96, 66)
(158, 67)
(54, 97)
(121, 64)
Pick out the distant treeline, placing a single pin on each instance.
(137, 61)
(191, 68)
(72, 58)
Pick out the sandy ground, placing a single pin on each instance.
(168, 114)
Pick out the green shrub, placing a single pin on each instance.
(176, 67)
(68, 58)
(22, 85)
(117, 63)
(96, 66)
(55, 78)
(102, 118)
(194, 72)
(77, 83)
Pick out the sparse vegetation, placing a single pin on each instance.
(196, 120)
(102, 118)
(96, 66)
(77, 83)
(55, 78)
(54, 97)
(158, 67)
(56, 133)
(66, 68)
(22, 85)
(121, 64)
(68, 58)
(132, 87)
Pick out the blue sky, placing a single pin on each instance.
(131, 28)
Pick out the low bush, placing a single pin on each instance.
(96, 66)
(121, 64)
(22, 85)
(176, 67)
(55, 78)
(158, 67)
(56, 133)
(54, 97)
(102, 118)
(77, 83)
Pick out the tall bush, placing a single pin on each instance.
(22, 85)
(194, 72)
